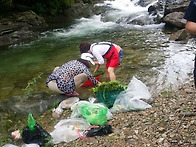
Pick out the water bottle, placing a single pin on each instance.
(31, 122)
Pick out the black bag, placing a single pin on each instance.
(99, 131)
(38, 136)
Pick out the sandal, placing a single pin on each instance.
(73, 94)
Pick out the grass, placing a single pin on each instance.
(169, 93)
(31, 85)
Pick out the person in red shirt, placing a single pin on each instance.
(104, 50)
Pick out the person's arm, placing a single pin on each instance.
(98, 84)
(91, 77)
(97, 66)
(191, 27)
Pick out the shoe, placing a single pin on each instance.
(73, 94)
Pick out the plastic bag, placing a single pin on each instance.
(67, 130)
(98, 131)
(64, 105)
(135, 97)
(108, 97)
(34, 133)
(38, 136)
(76, 108)
(10, 145)
(31, 122)
(95, 114)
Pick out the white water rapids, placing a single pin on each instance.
(178, 66)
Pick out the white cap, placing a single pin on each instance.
(88, 56)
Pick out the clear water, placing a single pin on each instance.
(149, 55)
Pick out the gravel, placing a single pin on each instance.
(170, 122)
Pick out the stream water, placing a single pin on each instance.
(148, 53)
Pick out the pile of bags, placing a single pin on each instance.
(88, 118)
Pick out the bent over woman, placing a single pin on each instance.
(71, 75)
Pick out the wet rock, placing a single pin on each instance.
(21, 26)
(176, 6)
(36, 105)
(180, 35)
(175, 19)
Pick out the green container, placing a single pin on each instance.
(107, 97)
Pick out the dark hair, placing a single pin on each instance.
(85, 62)
(84, 47)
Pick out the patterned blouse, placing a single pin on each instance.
(68, 71)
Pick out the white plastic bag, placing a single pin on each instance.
(132, 98)
(65, 104)
(67, 130)
(10, 145)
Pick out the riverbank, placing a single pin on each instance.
(170, 122)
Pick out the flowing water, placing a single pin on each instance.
(148, 53)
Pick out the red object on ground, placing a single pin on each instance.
(89, 83)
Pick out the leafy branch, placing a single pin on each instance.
(109, 86)
(31, 86)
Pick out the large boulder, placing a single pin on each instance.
(37, 104)
(175, 19)
(181, 6)
(21, 26)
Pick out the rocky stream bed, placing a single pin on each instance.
(170, 122)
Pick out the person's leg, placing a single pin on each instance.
(53, 86)
(107, 73)
(111, 73)
(121, 54)
(80, 79)
(194, 72)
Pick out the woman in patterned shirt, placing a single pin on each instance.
(71, 75)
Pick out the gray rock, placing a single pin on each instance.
(175, 19)
(36, 104)
(180, 35)
(20, 27)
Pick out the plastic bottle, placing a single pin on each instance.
(31, 122)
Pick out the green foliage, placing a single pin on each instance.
(31, 86)
(109, 86)
(169, 93)
(164, 122)
(5, 140)
(87, 1)
(98, 73)
(49, 144)
(51, 7)
(5, 5)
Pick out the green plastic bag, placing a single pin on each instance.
(94, 114)
(31, 122)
